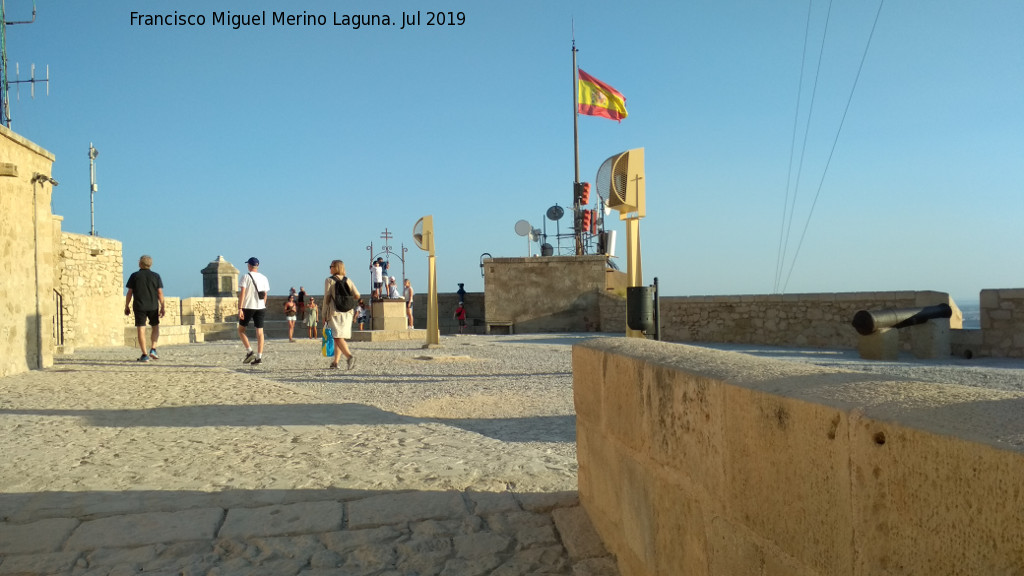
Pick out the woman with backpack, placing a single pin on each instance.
(340, 299)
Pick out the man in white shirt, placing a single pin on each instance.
(252, 305)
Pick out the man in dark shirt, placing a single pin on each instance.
(147, 289)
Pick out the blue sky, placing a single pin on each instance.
(302, 144)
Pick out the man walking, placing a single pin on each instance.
(252, 305)
(147, 290)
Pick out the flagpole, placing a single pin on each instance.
(576, 149)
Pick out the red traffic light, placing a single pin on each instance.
(586, 221)
(585, 194)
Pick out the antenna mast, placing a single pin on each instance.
(5, 83)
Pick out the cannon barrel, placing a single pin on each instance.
(868, 322)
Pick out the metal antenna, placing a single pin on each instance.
(5, 83)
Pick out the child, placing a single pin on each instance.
(361, 314)
(460, 313)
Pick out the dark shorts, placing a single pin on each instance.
(255, 315)
(142, 315)
(462, 322)
(377, 285)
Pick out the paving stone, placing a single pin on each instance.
(470, 567)
(114, 556)
(480, 544)
(346, 541)
(300, 518)
(42, 536)
(405, 507)
(150, 528)
(579, 537)
(46, 563)
(595, 567)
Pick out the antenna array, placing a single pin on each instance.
(5, 82)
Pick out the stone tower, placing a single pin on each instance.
(220, 279)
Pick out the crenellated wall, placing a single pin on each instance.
(700, 462)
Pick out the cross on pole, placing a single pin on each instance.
(386, 236)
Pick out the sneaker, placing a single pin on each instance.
(152, 354)
(144, 358)
(248, 357)
(351, 362)
(257, 361)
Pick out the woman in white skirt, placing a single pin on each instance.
(340, 323)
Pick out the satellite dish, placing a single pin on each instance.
(423, 234)
(523, 227)
(620, 179)
(555, 213)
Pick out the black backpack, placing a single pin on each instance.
(343, 298)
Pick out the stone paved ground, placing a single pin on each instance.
(457, 461)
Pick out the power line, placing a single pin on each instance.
(835, 141)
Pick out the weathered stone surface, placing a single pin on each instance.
(42, 536)
(415, 506)
(578, 534)
(299, 518)
(149, 528)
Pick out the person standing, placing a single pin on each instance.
(408, 301)
(377, 278)
(311, 318)
(252, 305)
(301, 301)
(460, 313)
(147, 289)
(339, 322)
(462, 293)
(290, 309)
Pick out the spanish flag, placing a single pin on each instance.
(599, 99)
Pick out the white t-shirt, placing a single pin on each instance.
(378, 273)
(251, 300)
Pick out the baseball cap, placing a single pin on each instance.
(392, 278)
(254, 261)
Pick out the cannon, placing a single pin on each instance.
(868, 322)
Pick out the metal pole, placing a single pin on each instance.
(93, 153)
(577, 235)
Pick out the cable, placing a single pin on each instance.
(807, 131)
(780, 258)
(856, 79)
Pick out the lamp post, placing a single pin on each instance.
(93, 153)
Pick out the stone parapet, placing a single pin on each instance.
(703, 462)
(816, 320)
(1002, 323)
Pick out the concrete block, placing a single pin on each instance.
(882, 345)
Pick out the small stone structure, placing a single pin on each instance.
(220, 279)
(549, 294)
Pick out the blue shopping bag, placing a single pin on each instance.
(327, 344)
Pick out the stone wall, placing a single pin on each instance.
(446, 304)
(704, 463)
(92, 293)
(29, 235)
(208, 310)
(549, 294)
(817, 320)
(1002, 323)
